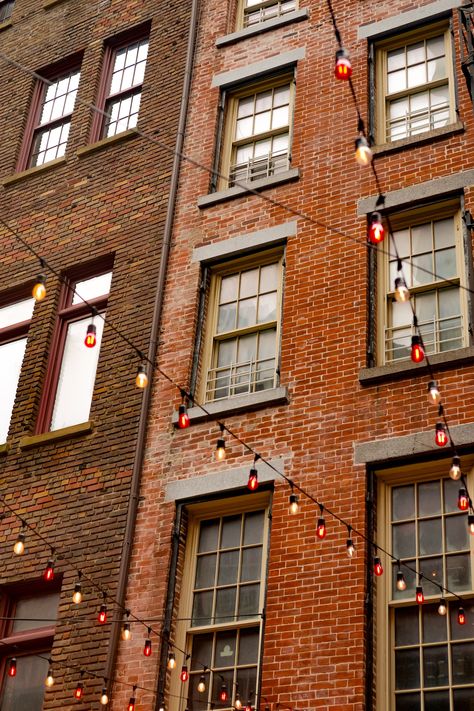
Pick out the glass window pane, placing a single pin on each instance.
(408, 702)
(445, 264)
(280, 117)
(463, 700)
(432, 569)
(450, 492)
(434, 624)
(251, 564)
(248, 283)
(11, 358)
(416, 75)
(435, 666)
(262, 122)
(16, 313)
(267, 308)
(396, 59)
(407, 669)
(435, 47)
(249, 599)
(263, 101)
(401, 238)
(403, 540)
(247, 312)
(429, 499)
(444, 233)
(225, 604)
(449, 303)
(248, 646)
(92, 288)
(266, 344)
(397, 81)
(227, 352)
(228, 567)
(244, 127)
(245, 106)
(463, 664)
(31, 671)
(208, 534)
(269, 278)
(202, 608)
(401, 314)
(36, 611)
(430, 536)
(253, 527)
(403, 502)
(247, 681)
(229, 288)
(436, 69)
(437, 701)
(231, 526)
(226, 318)
(422, 266)
(458, 570)
(77, 376)
(406, 626)
(225, 649)
(247, 348)
(421, 238)
(205, 571)
(281, 95)
(457, 537)
(201, 651)
(410, 580)
(462, 631)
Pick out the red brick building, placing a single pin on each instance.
(282, 322)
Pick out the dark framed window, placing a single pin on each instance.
(15, 318)
(28, 637)
(71, 374)
(121, 88)
(47, 131)
(6, 9)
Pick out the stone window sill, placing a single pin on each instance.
(4, 449)
(17, 177)
(5, 25)
(104, 142)
(51, 3)
(239, 190)
(426, 137)
(56, 435)
(296, 16)
(372, 376)
(235, 405)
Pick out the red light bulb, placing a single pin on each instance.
(420, 598)
(91, 336)
(376, 228)
(441, 436)
(463, 500)
(378, 569)
(343, 67)
(48, 574)
(102, 617)
(184, 674)
(131, 704)
(183, 418)
(12, 667)
(461, 616)
(252, 483)
(417, 352)
(147, 648)
(321, 528)
(223, 695)
(79, 690)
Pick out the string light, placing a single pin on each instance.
(91, 336)
(363, 153)
(463, 499)
(201, 687)
(442, 607)
(238, 702)
(79, 690)
(420, 598)
(378, 569)
(102, 616)
(461, 616)
(12, 667)
(77, 594)
(220, 445)
(455, 471)
(19, 545)
(441, 436)
(104, 698)
(131, 703)
(183, 417)
(321, 527)
(349, 543)
(294, 503)
(252, 483)
(184, 674)
(126, 630)
(48, 574)
(171, 660)
(417, 351)
(401, 582)
(223, 695)
(141, 380)
(39, 288)
(49, 681)
(248, 706)
(343, 67)
(433, 392)
(147, 648)
(402, 293)
(376, 228)
(470, 524)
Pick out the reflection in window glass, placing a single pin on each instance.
(28, 694)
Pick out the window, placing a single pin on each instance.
(258, 131)
(414, 84)
(430, 244)
(430, 659)
(242, 345)
(29, 642)
(71, 376)
(124, 70)
(222, 598)
(255, 11)
(50, 118)
(6, 9)
(14, 323)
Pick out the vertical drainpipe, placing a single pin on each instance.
(152, 348)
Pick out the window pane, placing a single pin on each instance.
(231, 526)
(463, 700)
(461, 631)
(407, 669)
(429, 501)
(410, 580)
(201, 651)
(248, 283)
(253, 529)
(451, 491)
(11, 358)
(205, 571)
(225, 604)
(430, 536)
(435, 666)
(41, 609)
(208, 534)
(458, 570)
(434, 624)
(267, 308)
(251, 564)
(16, 313)
(422, 269)
(225, 649)
(408, 702)
(269, 278)
(248, 646)
(406, 626)
(404, 545)
(457, 537)
(463, 664)
(226, 320)
(202, 608)
(435, 47)
(26, 690)
(396, 59)
(445, 264)
(249, 599)
(229, 288)
(228, 568)
(92, 288)
(403, 502)
(247, 313)
(449, 303)
(247, 681)
(432, 569)
(77, 376)
(437, 701)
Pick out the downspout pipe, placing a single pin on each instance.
(153, 346)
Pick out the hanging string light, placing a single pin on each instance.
(248, 705)
(104, 697)
(321, 527)
(455, 472)
(201, 687)
(363, 153)
(183, 417)
(49, 681)
(442, 607)
(238, 702)
(48, 573)
(132, 702)
(441, 436)
(12, 667)
(434, 394)
(126, 630)
(39, 288)
(417, 353)
(461, 616)
(402, 293)
(91, 336)
(184, 673)
(79, 690)
(147, 648)
(343, 67)
(378, 568)
(77, 594)
(171, 661)
(470, 524)
(19, 546)
(349, 543)
(401, 582)
(376, 229)
(220, 445)
(463, 499)
(141, 379)
(223, 694)
(294, 506)
(420, 598)
(102, 616)
(252, 483)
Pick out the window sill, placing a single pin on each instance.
(296, 16)
(104, 142)
(51, 3)
(235, 405)
(5, 25)
(372, 376)
(428, 136)
(239, 190)
(17, 177)
(4, 449)
(65, 433)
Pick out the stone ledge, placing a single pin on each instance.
(104, 142)
(4, 449)
(413, 141)
(239, 190)
(51, 3)
(30, 441)
(266, 26)
(235, 405)
(5, 25)
(374, 376)
(17, 177)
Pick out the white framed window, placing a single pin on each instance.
(253, 12)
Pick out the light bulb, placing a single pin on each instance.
(201, 687)
(248, 706)
(378, 569)
(48, 574)
(50, 678)
(184, 674)
(104, 699)
(252, 483)
(220, 449)
(417, 353)
(376, 228)
(455, 471)
(19, 547)
(463, 499)
(441, 436)
(39, 289)
(350, 547)
(420, 598)
(126, 631)
(401, 582)
(12, 667)
(363, 154)
(470, 524)
(442, 607)
(183, 417)
(91, 336)
(223, 695)
(321, 528)
(171, 661)
(77, 594)
(102, 616)
(141, 380)
(434, 395)
(461, 616)
(79, 690)
(402, 292)
(343, 67)
(238, 702)
(294, 504)
(147, 648)
(131, 704)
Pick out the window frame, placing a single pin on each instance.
(5, 4)
(381, 95)
(49, 74)
(384, 629)
(262, 5)
(184, 632)
(231, 101)
(208, 356)
(68, 313)
(385, 290)
(111, 48)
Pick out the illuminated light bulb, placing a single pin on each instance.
(126, 632)
(455, 471)
(161, 707)
(223, 695)
(48, 574)
(420, 598)
(79, 690)
(294, 504)
(434, 395)
(77, 594)
(183, 417)
(19, 546)
(171, 661)
(131, 704)
(184, 674)
(252, 483)
(220, 449)
(39, 288)
(441, 436)
(91, 336)
(461, 616)
(104, 699)
(350, 547)
(401, 582)
(470, 524)
(102, 616)
(402, 292)
(147, 648)
(321, 528)
(12, 667)
(378, 569)
(376, 228)
(248, 706)
(417, 352)
(363, 154)
(343, 67)
(141, 380)
(50, 678)
(463, 499)
(442, 607)
(201, 687)
(238, 702)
